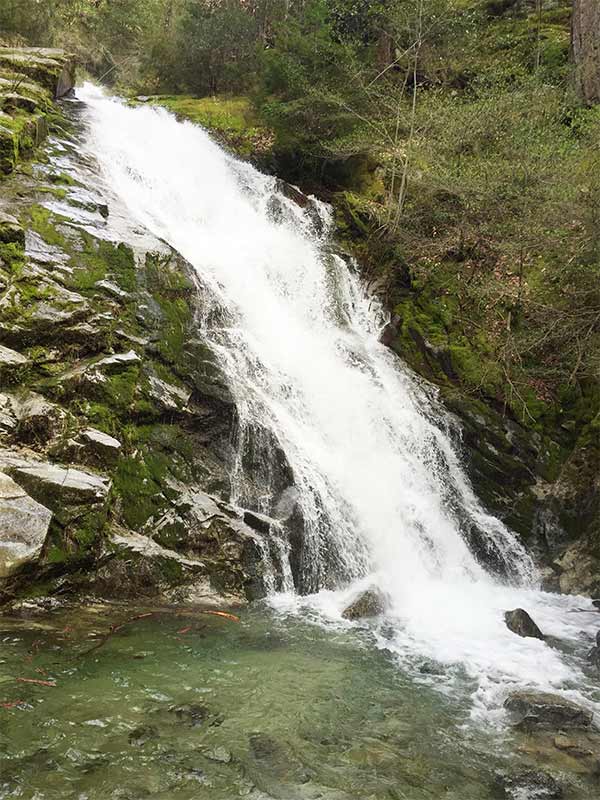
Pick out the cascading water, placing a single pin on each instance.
(382, 494)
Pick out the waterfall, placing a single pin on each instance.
(377, 478)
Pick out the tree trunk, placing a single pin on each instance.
(585, 48)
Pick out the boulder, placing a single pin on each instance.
(167, 396)
(519, 622)
(594, 654)
(137, 566)
(527, 785)
(10, 358)
(24, 525)
(100, 445)
(68, 492)
(38, 419)
(118, 361)
(369, 603)
(544, 711)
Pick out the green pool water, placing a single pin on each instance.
(197, 706)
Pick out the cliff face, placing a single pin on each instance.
(115, 422)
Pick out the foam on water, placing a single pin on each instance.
(380, 484)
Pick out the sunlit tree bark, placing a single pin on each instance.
(585, 47)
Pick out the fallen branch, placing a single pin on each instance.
(115, 629)
(37, 681)
(222, 614)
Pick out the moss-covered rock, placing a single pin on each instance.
(123, 422)
(30, 78)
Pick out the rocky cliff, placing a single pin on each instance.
(116, 426)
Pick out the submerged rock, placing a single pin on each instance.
(191, 714)
(519, 622)
(542, 710)
(142, 735)
(527, 785)
(24, 525)
(369, 603)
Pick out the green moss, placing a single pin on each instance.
(233, 119)
(12, 257)
(43, 222)
(136, 483)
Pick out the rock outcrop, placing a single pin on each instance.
(544, 711)
(24, 525)
(369, 603)
(116, 423)
(30, 79)
(519, 622)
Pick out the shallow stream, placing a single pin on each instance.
(186, 704)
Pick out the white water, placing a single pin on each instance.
(381, 488)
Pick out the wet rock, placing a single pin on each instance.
(594, 654)
(33, 321)
(572, 746)
(11, 231)
(24, 525)
(303, 201)
(167, 396)
(369, 603)
(41, 252)
(112, 289)
(219, 754)
(191, 714)
(263, 746)
(527, 785)
(518, 621)
(543, 711)
(579, 569)
(142, 735)
(13, 101)
(260, 522)
(48, 67)
(390, 331)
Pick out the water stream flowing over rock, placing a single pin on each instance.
(330, 425)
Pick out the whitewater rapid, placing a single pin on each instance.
(377, 476)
